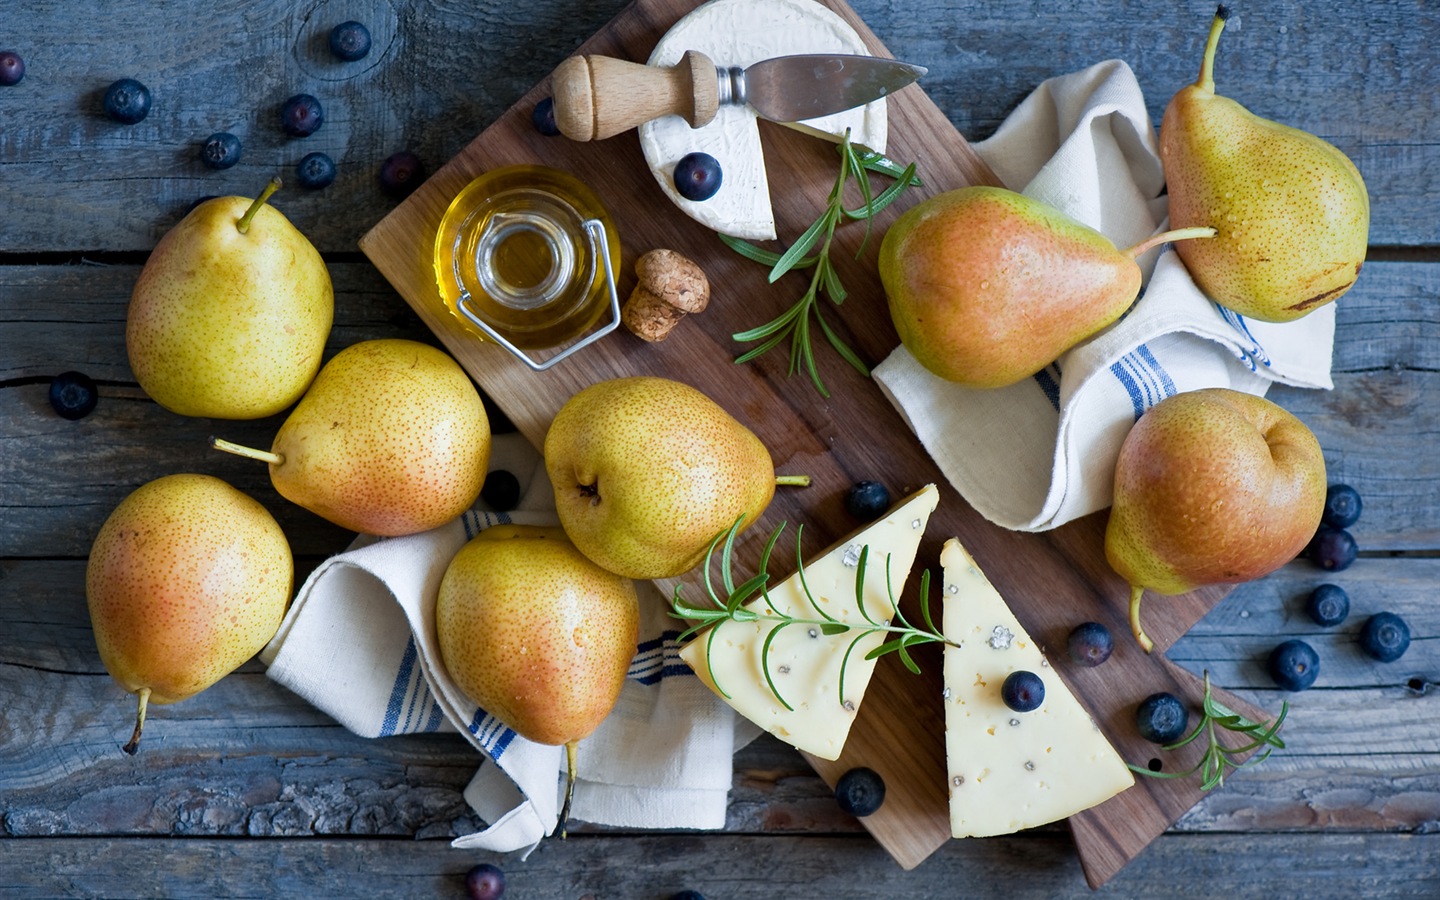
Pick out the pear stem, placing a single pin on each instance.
(134, 744)
(569, 787)
(1206, 82)
(1175, 234)
(792, 480)
(274, 459)
(244, 224)
(1136, 592)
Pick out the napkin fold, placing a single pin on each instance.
(359, 643)
(1037, 454)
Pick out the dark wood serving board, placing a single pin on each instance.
(1053, 581)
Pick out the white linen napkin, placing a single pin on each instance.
(1037, 454)
(359, 643)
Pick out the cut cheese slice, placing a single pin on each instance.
(804, 662)
(739, 33)
(1011, 770)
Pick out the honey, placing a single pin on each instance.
(525, 257)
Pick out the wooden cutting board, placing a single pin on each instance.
(1053, 581)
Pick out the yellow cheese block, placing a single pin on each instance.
(804, 662)
(1011, 770)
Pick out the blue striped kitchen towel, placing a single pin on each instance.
(359, 644)
(1040, 453)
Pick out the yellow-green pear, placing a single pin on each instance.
(648, 471)
(391, 439)
(1212, 486)
(230, 314)
(1290, 210)
(536, 634)
(188, 578)
(987, 286)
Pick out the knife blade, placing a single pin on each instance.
(597, 97)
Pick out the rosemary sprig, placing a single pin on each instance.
(730, 607)
(794, 323)
(1215, 715)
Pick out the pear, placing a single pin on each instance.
(187, 579)
(1211, 486)
(1291, 210)
(229, 316)
(987, 287)
(391, 439)
(648, 471)
(537, 635)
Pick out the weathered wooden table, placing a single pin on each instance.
(247, 791)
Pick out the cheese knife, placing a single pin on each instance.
(597, 97)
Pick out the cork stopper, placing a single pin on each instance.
(669, 287)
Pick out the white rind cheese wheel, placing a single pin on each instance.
(804, 662)
(739, 33)
(1011, 770)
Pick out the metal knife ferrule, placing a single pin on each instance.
(732, 85)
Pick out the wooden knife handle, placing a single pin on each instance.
(597, 97)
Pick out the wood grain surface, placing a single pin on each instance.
(1052, 581)
(248, 791)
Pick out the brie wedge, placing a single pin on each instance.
(739, 33)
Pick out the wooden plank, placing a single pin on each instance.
(1387, 350)
(1359, 75)
(737, 868)
(1364, 744)
(1052, 581)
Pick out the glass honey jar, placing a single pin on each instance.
(525, 256)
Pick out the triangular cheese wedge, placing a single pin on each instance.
(1011, 770)
(739, 33)
(804, 662)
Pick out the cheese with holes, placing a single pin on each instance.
(1011, 770)
(805, 663)
(739, 33)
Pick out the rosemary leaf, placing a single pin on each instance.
(855, 163)
(765, 663)
(724, 611)
(760, 254)
(1214, 717)
(802, 245)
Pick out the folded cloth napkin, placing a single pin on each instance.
(1037, 454)
(359, 643)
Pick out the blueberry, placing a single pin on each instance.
(1332, 549)
(301, 116)
(315, 170)
(127, 101)
(1328, 605)
(697, 176)
(687, 895)
(501, 491)
(1161, 718)
(1294, 665)
(860, 791)
(485, 882)
(12, 68)
(543, 117)
(73, 395)
(350, 41)
(1090, 644)
(1385, 637)
(221, 150)
(867, 500)
(1023, 691)
(1342, 506)
(401, 173)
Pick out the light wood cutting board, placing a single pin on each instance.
(1053, 581)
